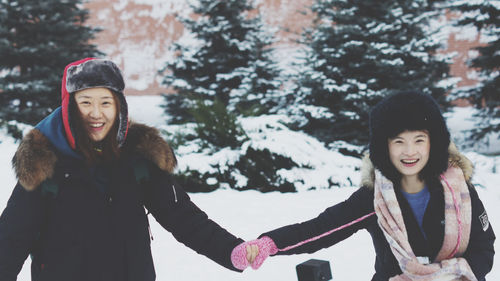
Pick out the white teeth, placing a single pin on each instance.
(409, 161)
(96, 125)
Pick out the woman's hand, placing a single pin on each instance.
(253, 253)
(240, 257)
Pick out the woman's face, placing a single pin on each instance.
(98, 109)
(409, 152)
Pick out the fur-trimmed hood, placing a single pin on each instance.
(455, 159)
(36, 156)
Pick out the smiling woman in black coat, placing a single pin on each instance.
(86, 180)
(416, 200)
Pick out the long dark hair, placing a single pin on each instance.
(106, 150)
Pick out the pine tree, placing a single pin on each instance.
(485, 16)
(358, 52)
(216, 126)
(230, 62)
(37, 40)
(226, 73)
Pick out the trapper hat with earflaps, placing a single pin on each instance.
(93, 73)
(408, 111)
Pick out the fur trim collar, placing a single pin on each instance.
(36, 157)
(456, 159)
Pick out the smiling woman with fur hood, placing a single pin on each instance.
(85, 177)
(416, 200)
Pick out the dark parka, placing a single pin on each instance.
(479, 253)
(96, 227)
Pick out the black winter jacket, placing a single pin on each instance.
(96, 228)
(479, 253)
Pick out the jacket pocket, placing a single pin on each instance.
(63, 263)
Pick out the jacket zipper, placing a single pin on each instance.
(175, 199)
(175, 194)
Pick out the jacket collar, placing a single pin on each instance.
(52, 127)
(37, 155)
(455, 159)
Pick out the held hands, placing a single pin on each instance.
(253, 253)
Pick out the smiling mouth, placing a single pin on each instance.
(96, 125)
(409, 163)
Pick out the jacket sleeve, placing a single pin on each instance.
(480, 251)
(348, 217)
(173, 209)
(20, 225)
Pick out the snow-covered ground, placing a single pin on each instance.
(247, 214)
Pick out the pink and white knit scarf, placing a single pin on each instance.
(448, 264)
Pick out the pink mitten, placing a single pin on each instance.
(267, 247)
(239, 254)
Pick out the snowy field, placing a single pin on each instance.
(247, 214)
